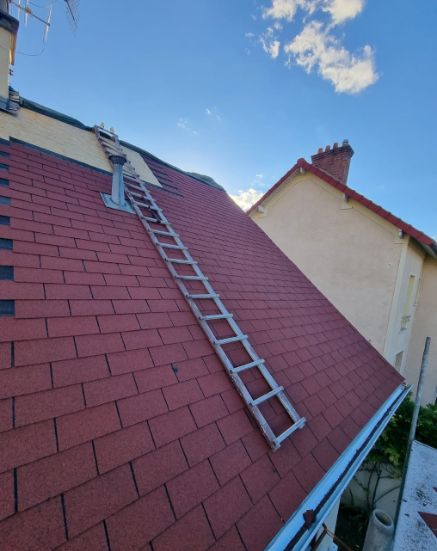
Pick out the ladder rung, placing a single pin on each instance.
(147, 206)
(150, 219)
(298, 425)
(267, 396)
(180, 260)
(135, 193)
(135, 186)
(173, 247)
(255, 363)
(165, 233)
(205, 296)
(228, 340)
(192, 277)
(213, 317)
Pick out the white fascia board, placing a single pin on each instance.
(336, 479)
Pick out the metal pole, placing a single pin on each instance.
(423, 370)
(414, 419)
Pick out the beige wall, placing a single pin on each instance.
(425, 325)
(349, 253)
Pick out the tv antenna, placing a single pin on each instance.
(28, 8)
(72, 7)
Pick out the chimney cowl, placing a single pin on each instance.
(334, 161)
(118, 159)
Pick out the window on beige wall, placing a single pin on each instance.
(409, 302)
(398, 360)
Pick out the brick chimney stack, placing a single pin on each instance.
(334, 161)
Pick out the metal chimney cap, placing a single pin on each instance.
(117, 159)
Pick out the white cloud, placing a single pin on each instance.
(283, 9)
(342, 10)
(269, 43)
(246, 198)
(185, 124)
(338, 10)
(314, 47)
(213, 113)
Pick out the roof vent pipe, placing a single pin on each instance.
(117, 199)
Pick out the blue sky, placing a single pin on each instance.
(239, 89)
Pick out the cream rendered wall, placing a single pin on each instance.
(425, 325)
(349, 253)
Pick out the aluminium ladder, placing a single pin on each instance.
(168, 243)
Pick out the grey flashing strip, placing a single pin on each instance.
(5, 200)
(4, 182)
(295, 534)
(37, 107)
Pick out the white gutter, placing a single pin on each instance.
(337, 478)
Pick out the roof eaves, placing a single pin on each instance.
(295, 534)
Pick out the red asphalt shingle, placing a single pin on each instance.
(118, 423)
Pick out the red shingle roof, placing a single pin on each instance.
(118, 424)
(418, 235)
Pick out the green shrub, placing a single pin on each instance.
(391, 447)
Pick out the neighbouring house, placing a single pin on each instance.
(379, 271)
(120, 425)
